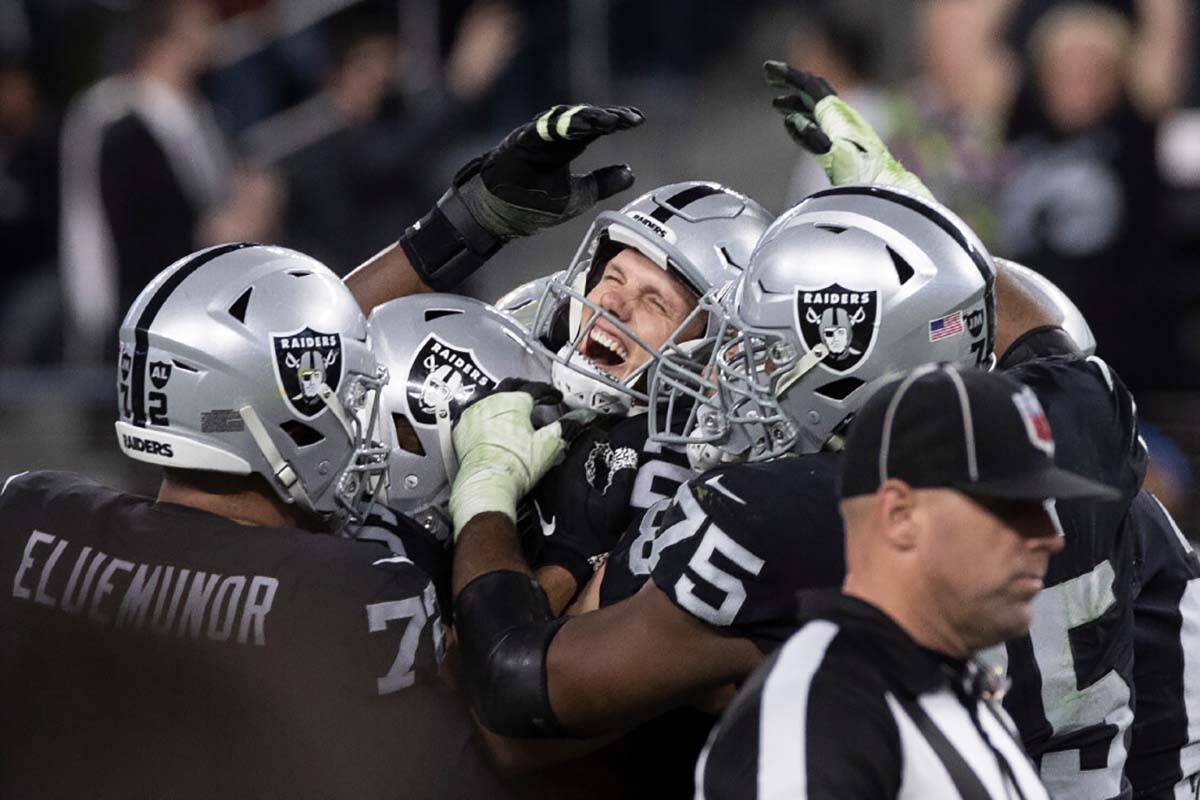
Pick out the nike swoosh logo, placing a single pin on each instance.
(715, 482)
(547, 527)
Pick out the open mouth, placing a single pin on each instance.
(605, 351)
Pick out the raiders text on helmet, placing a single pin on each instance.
(701, 233)
(443, 352)
(250, 359)
(847, 287)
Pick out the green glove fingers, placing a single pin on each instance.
(548, 446)
(845, 144)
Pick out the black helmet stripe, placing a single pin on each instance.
(141, 332)
(977, 258)
(690, 195)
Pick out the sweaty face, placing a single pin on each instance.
(986, 560)
(646, 300)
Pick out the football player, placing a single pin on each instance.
(1111, 629)
(712, 606)
(700, 569)
(632, 289)
(223, 639)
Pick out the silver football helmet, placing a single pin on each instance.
(443, 351)
(1071, 319)
(700, 232)
(249, 359)
(848, 287)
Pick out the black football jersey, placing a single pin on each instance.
(154, 650)
(1072, 695)
(609, 477)
(1166, 666)
(736, 544)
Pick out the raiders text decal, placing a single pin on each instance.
(441, 374)
(305, 359)
(844, 320)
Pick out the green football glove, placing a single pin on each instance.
(848, 149)
(500, 454)
(519, 187)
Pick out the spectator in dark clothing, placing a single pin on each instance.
(358, 155)
(1083, 187)
(146, 175)
(29, 304)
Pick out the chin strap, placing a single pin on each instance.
(445, 434)
(806, 363)
(285, 477)
(335, 405)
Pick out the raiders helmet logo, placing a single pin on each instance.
(304, 360)
(844, 320)
(444, 375)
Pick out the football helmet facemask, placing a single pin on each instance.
(850, 286)
(701, 233)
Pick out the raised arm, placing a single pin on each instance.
(517, 188)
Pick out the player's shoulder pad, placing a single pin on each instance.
(1086, 392)
(53, 488)
(1045, 340)
(742, 494)
(741, 540)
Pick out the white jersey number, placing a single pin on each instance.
(1068, 708)
(417, 611)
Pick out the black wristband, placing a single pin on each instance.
(447, 244)
(504, 629)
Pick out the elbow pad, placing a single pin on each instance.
(504, 629)
(447, 245)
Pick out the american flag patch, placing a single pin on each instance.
(949, 325)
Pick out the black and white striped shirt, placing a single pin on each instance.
(851, 707)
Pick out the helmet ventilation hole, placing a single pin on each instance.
(834, 229)
(840, 390)
(301, 434)
(904, 270)
(238, 309)
(299, 273)
(437, 313)
(183, 366)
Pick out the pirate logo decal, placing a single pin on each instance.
(844, 320)
(304, 360)
(442, 375)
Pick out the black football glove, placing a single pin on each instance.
(846, 146)
(517, 188)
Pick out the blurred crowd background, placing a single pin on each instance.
(132, 132)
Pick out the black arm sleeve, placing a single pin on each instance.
(504, 629)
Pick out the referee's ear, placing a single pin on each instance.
(896, 517)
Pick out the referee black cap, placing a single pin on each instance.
(980, 432)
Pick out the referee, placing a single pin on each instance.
(943, 480)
